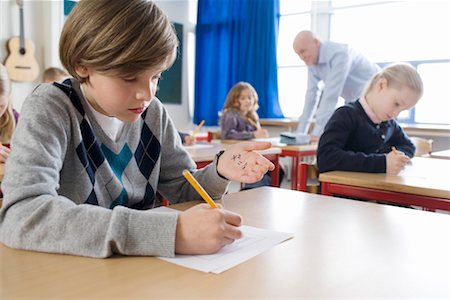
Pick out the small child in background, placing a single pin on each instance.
(8, 116)
(54, 74)
(187, 139)
(360, 136)
(239, 120)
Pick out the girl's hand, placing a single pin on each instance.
(4, 153)
(395, 162)
(240, 163)
(205, 230)
(189, 140)
(261, 133)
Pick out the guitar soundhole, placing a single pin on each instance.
(22, 51)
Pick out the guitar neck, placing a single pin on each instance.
(22, 31)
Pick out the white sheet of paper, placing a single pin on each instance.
(253, 242)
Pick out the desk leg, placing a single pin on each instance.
(295, 160)
(276, 171)
(325, 189)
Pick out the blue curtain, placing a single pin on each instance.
(235, 41)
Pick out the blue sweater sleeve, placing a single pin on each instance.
(333, 152)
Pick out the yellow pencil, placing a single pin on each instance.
(199, 188)
(394, 150)
(197, 129)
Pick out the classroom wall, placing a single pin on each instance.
(43, 22)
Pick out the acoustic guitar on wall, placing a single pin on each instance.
(21, 63)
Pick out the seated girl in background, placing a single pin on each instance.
(239, 120)
(362, 136)
(8, 116)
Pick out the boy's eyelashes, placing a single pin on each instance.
(133, 79)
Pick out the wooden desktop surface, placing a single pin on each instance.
(424, 176)
(291, 123)
(276, 143)
(444, 154)
(341, 249)
(206, 151)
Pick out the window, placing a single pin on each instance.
(292, 72)
(385, 31)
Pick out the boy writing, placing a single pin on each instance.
(89, 154)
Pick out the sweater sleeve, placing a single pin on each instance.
(230, 128)
(332, 152)
(174, 159)
(35, 217)
(402, 142)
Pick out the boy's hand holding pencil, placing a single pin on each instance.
(205, 229)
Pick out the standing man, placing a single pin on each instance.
(343, 71)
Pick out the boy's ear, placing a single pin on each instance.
(82, 71)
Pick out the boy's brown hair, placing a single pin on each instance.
(53, 74)
(119, 38)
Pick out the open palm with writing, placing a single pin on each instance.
(241, 163)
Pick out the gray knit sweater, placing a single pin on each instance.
(68, 188)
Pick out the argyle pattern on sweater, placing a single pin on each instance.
(93, 155)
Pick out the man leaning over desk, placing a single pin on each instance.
(343, 71)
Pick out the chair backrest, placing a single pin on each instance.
(423, 146)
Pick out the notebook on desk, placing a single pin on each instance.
(292, 138)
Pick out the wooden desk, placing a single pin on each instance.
(280, 122)
(342, 249)
(204, 153)
(424, 182)
(297, 152)
(445, 154)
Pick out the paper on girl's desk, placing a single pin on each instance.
(253, 242)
